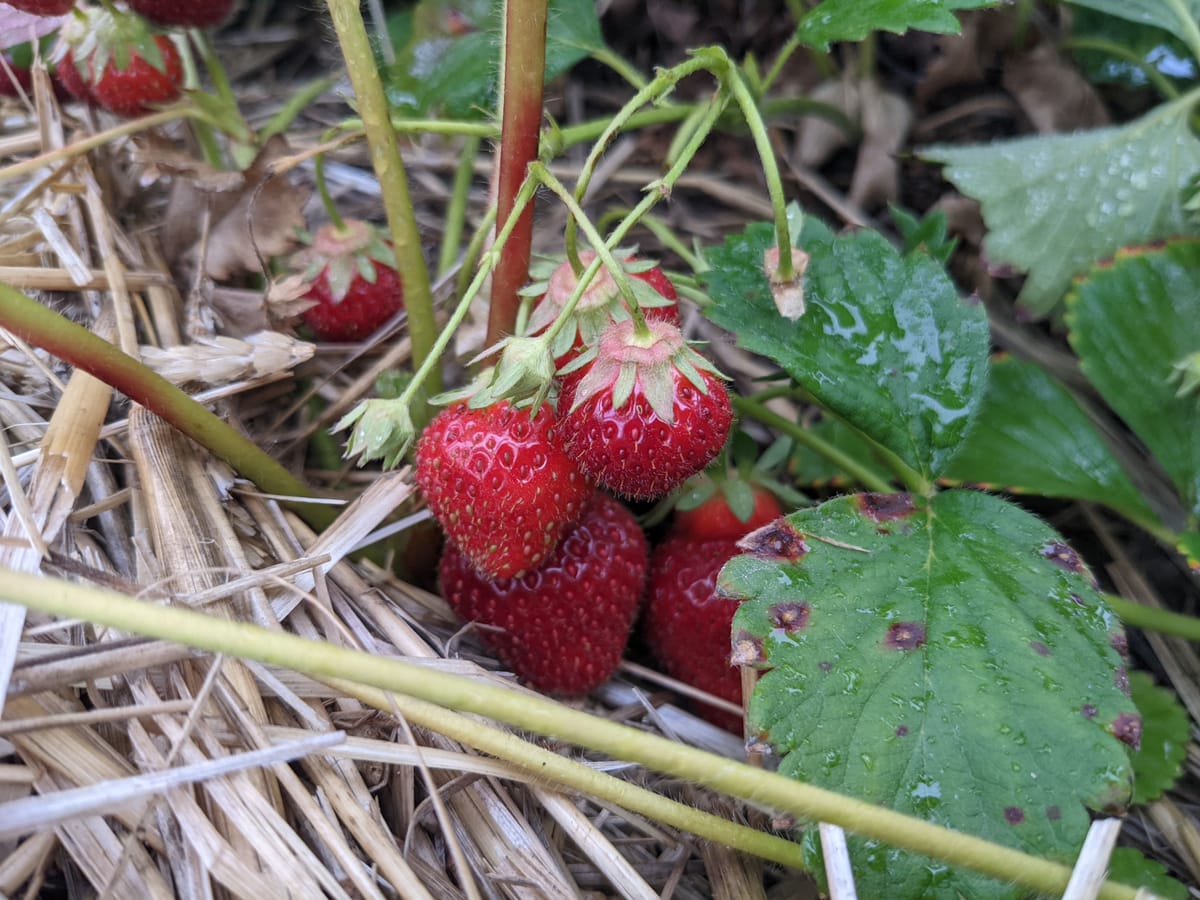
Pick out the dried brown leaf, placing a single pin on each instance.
(964, 58)
(819, 138)
(1052, 92)
(886, 120)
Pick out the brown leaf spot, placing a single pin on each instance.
(905, 636)
(1053, 813)
(825, 665)
(1121, 680)
(1120, 643)
(1014, 815)
(884, 507)
(1088, 711)
(790, 616)
(778, 540)
(1063, 557)
(1127, 728)
(1039, 648)
(747, 650)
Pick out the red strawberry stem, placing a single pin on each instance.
(393, 181)
(44, 328)
(522, 75)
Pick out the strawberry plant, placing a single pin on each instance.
(921, 644)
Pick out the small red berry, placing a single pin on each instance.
(687, 624)
(715, 519)
(72, 79)
(594, 311)
(563, 627)
(140, 86)
(185, 13)
(646, 414)
(500, 484)
(353, 281)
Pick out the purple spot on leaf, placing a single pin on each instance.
(790, 616)
(1014, 815)
(747, 650)
(884, 507)
(1053, 813)
(901, 730)
(1089, 711)
(825, 665)
(1063, 557)
(1120, 643)
(779, 540)
(1127, 728)
(905, 636)
(1121, 680)
(1039, 648)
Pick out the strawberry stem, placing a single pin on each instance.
(456, 210)
(331, 210)
(44, 328)
(523, 71)
(393, 181)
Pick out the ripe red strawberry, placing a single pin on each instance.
(687, 625)
(42, 7)
(715, 518)
(596, 307)
(646, 413)
(563, 627)
(500, 484)
(354, 282)
(186, 13)
(14, 78)
(113, 60)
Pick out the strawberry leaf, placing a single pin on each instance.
(1158, 762)
(853, 20)
(886, 343)
(1130, 322)
(1129, 866)
(1094, 191)
(1033, 437)
(951, 659)
(1172, 17)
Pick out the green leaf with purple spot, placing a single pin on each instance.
(950, 659)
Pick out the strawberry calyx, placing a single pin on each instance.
(344, 252)
(94, 36)
(628, 356)
(601, 302)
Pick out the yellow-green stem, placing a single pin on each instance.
(543, 716)
(456, 210)
(393, 180)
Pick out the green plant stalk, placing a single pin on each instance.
(543, 716)
(331, 210)
(762, 142)
(393, 181)
(523, 74)
(660, 229)
(294, 105)
(1119, 51)
(1189, 29)
(849, 465)
(203, 131)
(447, 127)
(489, 261)
(1150, 619)
(75, 344)
(781, 58)
(663, 82)
(546, 766)
(474, 250)
(456, 210)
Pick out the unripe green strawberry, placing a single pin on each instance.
(646, 413)
(687, 624)
(563, 627)
(500, 484)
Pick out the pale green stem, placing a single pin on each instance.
(1189, 29)
(456, 210)
(543, 716)
(1150, 619)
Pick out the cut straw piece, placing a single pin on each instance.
(20, 817)
(1092, 864)
(78, 270)
(838, 869)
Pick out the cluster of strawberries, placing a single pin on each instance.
(116, 59)
(538, 551)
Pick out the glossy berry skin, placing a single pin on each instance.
(186, 13)
(500, 484)
(136, 89)
(714, 519)
(687, 626)
(42, 7)
(627, 446)
(562, 627)
(363, 309)
(72, 80)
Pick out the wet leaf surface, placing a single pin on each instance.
(853, 20)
